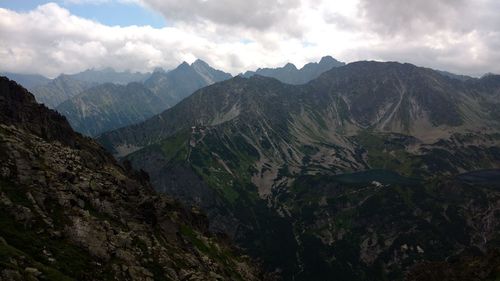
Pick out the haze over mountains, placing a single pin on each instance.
(53, 92)
(291, 75)
(93, 105)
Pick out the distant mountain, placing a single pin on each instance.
(175, 85)
(53, 92)
(28, 81)
(59, 90)
(291, 75)
(353, 174)
(109, 106)
(454, 76)
(109, 75)
(385, 97)
(69, 211)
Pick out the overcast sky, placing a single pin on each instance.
(69, 36)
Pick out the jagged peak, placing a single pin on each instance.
(290, 66)
(183, 65)
(199, 62)
(327, 59)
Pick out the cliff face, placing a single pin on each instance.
(69, 212)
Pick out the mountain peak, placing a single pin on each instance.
(200, 62)
(290, 66)
(327, 59)
(183, 65)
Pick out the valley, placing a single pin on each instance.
(204, 140)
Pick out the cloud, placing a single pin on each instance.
(459, 36)
(50, 40)
(394, 16)
(255, 14)
(97, 2)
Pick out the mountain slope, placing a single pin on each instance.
(59, 89)
(382, 97)
(68, 211)
(109, 75)
(109, 106)
(259, 156)
(28, 81)
(291, 75)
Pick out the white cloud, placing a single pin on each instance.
(97, 2)
(255, 14)
(239, 35)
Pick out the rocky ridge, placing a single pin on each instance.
(70, 212)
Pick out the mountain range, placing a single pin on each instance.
(53, 92)
(109, 106)
(59, 90)
(356, 173)
(175, 85)
(91, 112)
(96, 101)
(364, 171)
(29, 81)
(69, 211)
(109, 75)
(291, 75)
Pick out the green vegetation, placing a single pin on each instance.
(388, 153)
(225, 165)
(175, 147)
(210, 249)
(70, 260)
(9, 253)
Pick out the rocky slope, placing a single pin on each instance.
(68, 211)
(291, 75)
(378, 225)
(247, 151)
(108, 106)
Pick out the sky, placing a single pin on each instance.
(69, 36)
